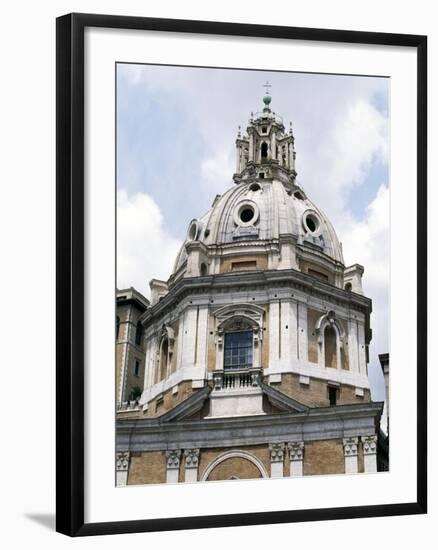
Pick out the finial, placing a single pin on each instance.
(252, 117)
(267, 98)
(238, 132)
(290, 127)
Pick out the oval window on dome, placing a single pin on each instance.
(311, 222)
(246, 214)
(193, 231)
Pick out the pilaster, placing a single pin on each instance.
(172, 466)
(191, 457)
(277, 459)
(350, 455)
(122, 467)
(369, 443)
(296, 455)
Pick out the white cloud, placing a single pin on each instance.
(369, 239)
(342, 156)
(144, 248)
(215, 170)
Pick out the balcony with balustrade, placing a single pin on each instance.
(236, 392)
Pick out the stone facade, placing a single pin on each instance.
(254, 352)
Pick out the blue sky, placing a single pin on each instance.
(176, 131)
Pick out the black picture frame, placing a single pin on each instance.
(70, 272)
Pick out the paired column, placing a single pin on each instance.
(296, 456)
(122, 467)
(369, 444)
(173, 461)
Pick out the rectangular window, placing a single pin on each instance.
(238, 350)
(136, 367)
(333, 394)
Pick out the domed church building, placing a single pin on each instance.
(253, 354)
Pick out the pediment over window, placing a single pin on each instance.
(239, 316)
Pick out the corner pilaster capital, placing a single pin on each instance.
(369, 443)
(350, 446)
(122, 461)
(191, 458)
(173, 459)
(277, 451)
(296, 450)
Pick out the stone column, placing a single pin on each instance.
(273, 146)
(251, 147)
(191, 465)
(369, 443)
(172, 466)
(296, 454)
(122, 467)
(350, 454)
(277, 456)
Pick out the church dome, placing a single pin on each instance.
(265, 220)
(263, 211)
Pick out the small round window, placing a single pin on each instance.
(311, 222)
(254, 187)
(246, 214)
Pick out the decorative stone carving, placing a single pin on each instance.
(277, 451)
(296, 450)
(369, 444)
(350, 446)
(122, 461)
(191, 458)
(173, 458)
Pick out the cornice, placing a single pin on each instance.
(231, 282)
(315, 424)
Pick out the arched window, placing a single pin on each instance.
(264, 150)
(330, 359)
(348, 287)
(164, 355)
(203, 270)
(117, 327)
(238, 347)
(331, 337)
(138, 333)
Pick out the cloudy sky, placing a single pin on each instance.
(176, 131)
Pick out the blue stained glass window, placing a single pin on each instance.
(238, 350)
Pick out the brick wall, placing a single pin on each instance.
(324, 457)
